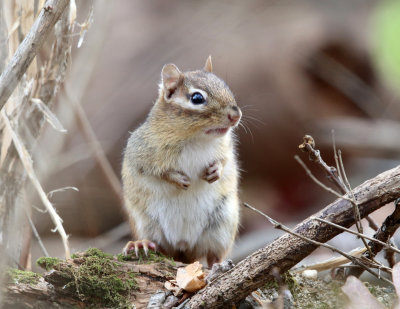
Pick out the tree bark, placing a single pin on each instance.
(288, 250)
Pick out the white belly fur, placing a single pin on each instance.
(184, 214)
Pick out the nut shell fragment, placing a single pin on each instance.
(191, 278)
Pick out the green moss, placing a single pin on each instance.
(98, 280)
(152, 257)
(289, 280)
(17, 276)
(273, 284)
(98, 253)
(385, 295)
(47, 263)
(308, 293)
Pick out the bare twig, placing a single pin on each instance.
(355, 206)
(29, 47)
(358, 234)
(36, 234)
(308, 146)
(346, 181)
(384, 233)
(379, 267)
(288, 250)
(342, 183)
(331, 263)
(336, 157)
(282, 227)
(315, 156)
(297, 158)
(27, 163)
(371, 222)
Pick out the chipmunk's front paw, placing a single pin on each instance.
(136, 245)
(212, 172)
(180, 179)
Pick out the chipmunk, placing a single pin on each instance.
(180, 172)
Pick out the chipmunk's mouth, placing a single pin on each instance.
(217, 131)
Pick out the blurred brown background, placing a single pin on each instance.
(295, 67)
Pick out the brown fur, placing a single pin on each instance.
(154, 153)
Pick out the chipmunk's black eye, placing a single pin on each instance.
(197, 98)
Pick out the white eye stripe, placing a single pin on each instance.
(187, 104)
(194, 90)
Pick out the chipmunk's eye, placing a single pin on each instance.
(197, 98)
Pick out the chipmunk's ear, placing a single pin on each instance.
(171, 77)
(208, 65)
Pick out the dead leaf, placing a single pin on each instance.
(359, 295)
(191, 278)
(173, 287)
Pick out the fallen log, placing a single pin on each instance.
(288, 250)
(91, 279)
(64, 285)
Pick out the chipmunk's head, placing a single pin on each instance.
(200, 99)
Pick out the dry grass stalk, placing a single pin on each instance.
(28, 165)
(332, 262)
(29, 47)
(27, 92)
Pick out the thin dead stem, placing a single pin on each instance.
(358, 234)
(96, 149)
(336, 156)
(282, 227)
(37, 236)
(354, 202)
(28, 166)
(307, 170)
(346, 181)
(339, 180)
(334, 262)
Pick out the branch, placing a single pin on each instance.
(284, 228)
(314, 155)
(383, 235)
(28, 165)
(340, 180)
(29, 47)
(288, 250)
(373, 240)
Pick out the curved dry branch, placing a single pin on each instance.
(288, 250)
(29, 47)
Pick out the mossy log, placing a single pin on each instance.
(95, 278)
(91, 279)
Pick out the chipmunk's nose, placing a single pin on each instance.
(234, 115)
